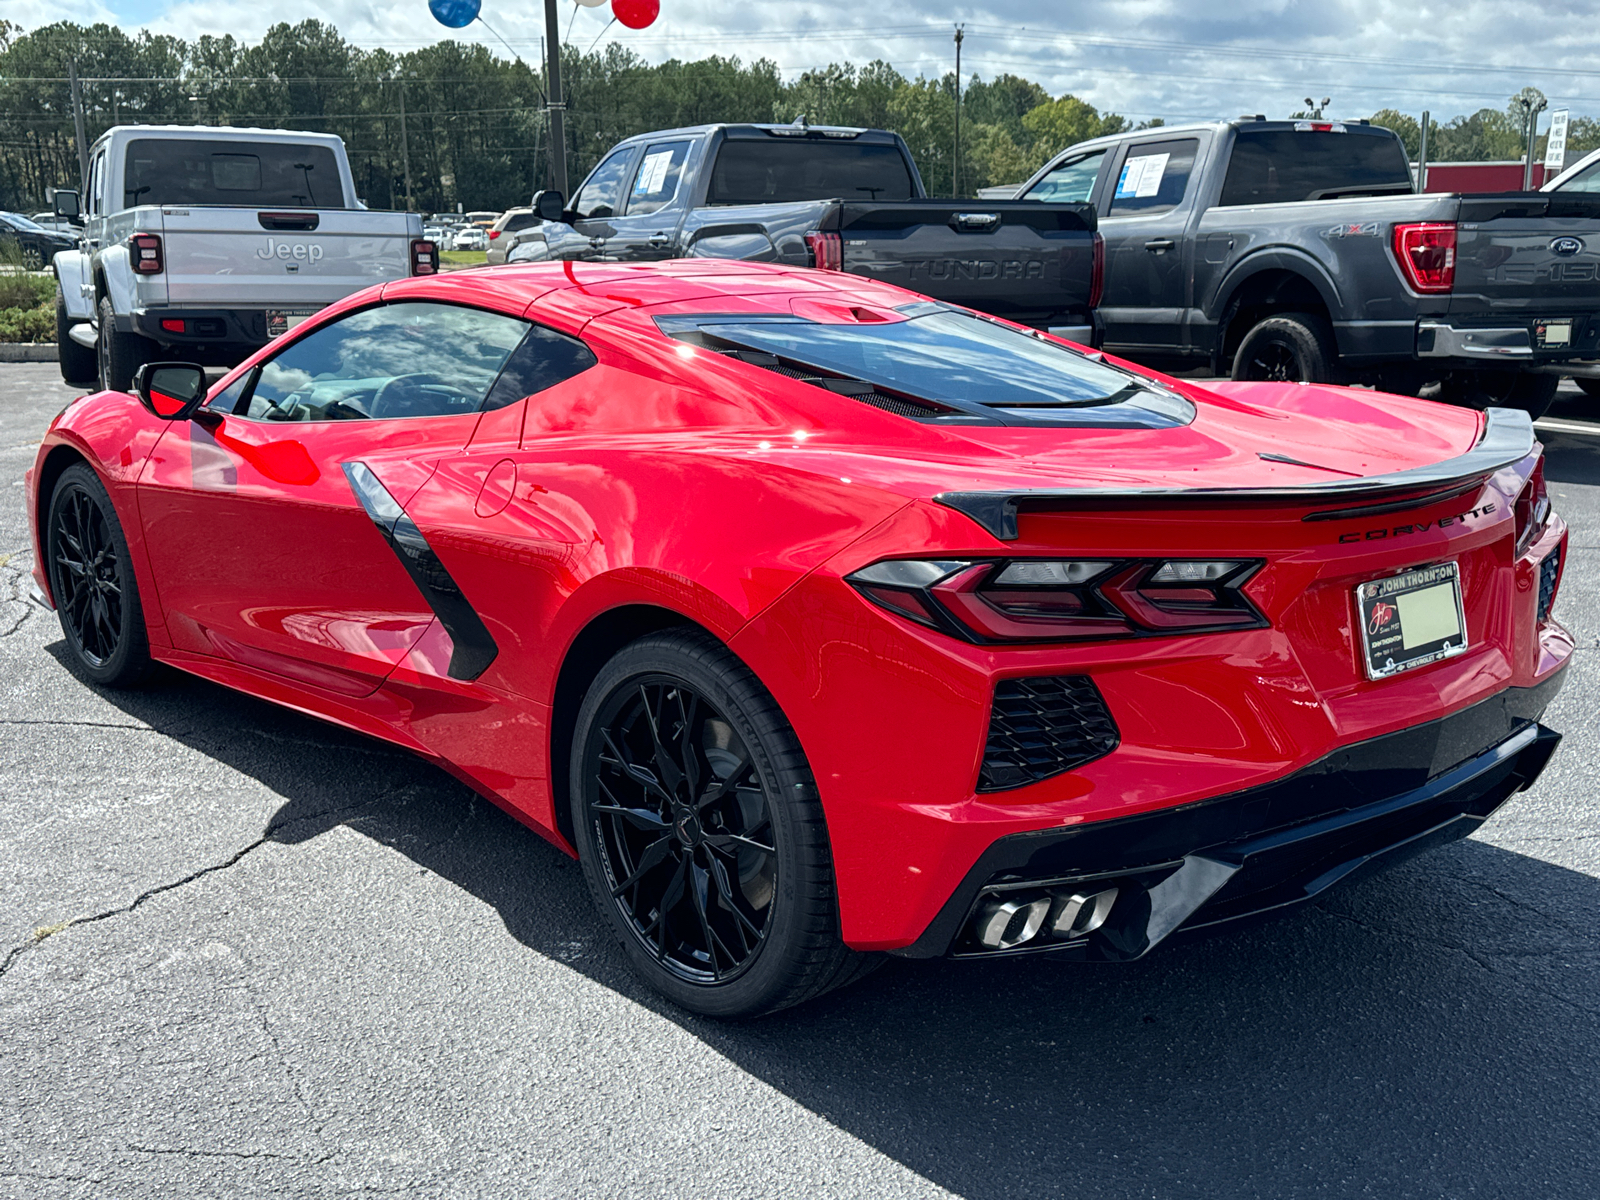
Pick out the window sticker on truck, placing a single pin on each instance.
(1141, 177)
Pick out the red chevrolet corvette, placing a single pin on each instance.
(819, 619)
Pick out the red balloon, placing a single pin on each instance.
(636, 14)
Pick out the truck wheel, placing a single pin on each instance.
(1287, 348)
(1592, 386)
(78, 366)
(1533, 393)
(120, 354)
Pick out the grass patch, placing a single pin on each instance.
(464, 258)
(27, 306)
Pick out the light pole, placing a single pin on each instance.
(1533, 103)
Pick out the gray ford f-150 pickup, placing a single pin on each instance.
(824, 196)
(1299, 250)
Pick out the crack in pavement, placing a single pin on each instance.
(21, 948)
(189, 1152)
(83, 724)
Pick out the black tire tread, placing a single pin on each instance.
(822, 962)
(1310, 331)
(125, 352)
(78, 364)
(1590, 386)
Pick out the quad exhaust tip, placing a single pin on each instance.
(1006, 922)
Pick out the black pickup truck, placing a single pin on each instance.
(830, 197)
(1300, 250)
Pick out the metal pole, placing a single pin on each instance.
(955, 164)
(77, 125)
(1422, 155)
(405, 144)
(1534, 109)
(553, 101)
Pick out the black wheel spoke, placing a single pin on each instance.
(87, 575)
(683, 826)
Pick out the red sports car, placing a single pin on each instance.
(820, 620)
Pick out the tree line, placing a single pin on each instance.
(470, 125)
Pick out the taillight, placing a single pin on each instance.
(493, 233)
(1532, 509)
(424, 257)
(1427, 254)
(172, 325)
(1097, 272)
(145, 251)
(1046, 600)
(827, 250)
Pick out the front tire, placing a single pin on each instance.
(92, 581)
(701, 835)
(119, 355)
(79, 364)
(1527, 390)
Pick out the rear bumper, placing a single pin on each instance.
(1363, 806)
(208, 332)
(1508, 345)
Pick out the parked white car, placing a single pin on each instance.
(470, 238)
(202, 243)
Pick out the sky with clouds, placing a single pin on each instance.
(1175, 59)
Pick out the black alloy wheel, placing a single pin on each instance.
(1287, 348)
(700, 832)
(684, 830)
(96, 596)
(32, 258)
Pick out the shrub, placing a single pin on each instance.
(28, 324)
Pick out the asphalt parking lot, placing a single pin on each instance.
(246, 954)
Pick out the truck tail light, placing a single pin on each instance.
(827, 250)
(145, 251)
(1034, 600)
(1532, 509)
(1097, 272)
(1427, 255)
(424, 257)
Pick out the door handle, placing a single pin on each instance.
(1160, 245)
(659, 240)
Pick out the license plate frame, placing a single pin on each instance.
(1383, 606)
(1553, 333)
(281, 320)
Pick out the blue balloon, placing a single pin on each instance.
(457, 14)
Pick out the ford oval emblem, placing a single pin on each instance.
(1566, 247)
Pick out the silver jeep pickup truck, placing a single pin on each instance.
(203, 243)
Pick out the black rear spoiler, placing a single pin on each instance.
(1507, 439)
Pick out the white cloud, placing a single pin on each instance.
(1214, 57)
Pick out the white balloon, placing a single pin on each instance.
(593, 3)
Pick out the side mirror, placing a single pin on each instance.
(549, 205)
(171, 390)
(66, 204)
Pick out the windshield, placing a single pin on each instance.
(251, 174)
(1279, 166)
(782, 169)
(975, 366)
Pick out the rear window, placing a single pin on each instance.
(251, 174)
(783, 169)
(1279, 166)
(969, 367)
(518, 221)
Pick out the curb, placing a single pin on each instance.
(20, 352)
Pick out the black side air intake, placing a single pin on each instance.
(1043, 726)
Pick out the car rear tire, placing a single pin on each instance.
(92, 582)
(119, 354)
(1287, 348)
(1531, 392)
(701, 834)
(79, 365)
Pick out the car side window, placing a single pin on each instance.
(91, 201)
(601, 193)
(1072, 181)
(655, 184)
(1154, 177)
(543, 359)
(227, 399)
(1587, 180)
(412, 359)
